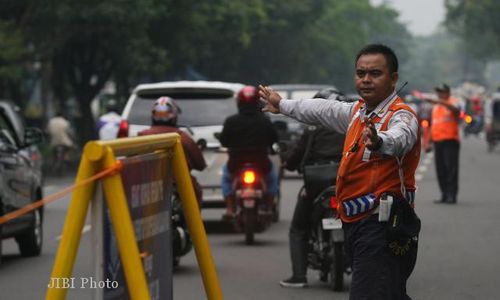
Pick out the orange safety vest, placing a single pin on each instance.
(444, 123)
(363, 176)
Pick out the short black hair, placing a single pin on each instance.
(387, 52)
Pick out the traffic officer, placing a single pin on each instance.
(376, 177)
(446, 138)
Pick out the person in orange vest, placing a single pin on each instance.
(446, 138)
(376, 177)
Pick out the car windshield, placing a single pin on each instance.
(201, 107)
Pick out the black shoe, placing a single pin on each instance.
(294, 282)
(440, 201)
(451, 200)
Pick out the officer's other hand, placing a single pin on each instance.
(271, 99)
(370, 137)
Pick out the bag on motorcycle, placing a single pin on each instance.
(318, 177)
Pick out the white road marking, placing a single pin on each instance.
(85, 229)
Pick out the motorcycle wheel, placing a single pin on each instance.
(250, 222)
(337, 267)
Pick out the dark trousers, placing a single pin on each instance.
(299, 235)
(446, 156)
(377, 273)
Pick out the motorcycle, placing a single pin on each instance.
(181, 239)
(326, 240)
(252, 213)
(473, 124)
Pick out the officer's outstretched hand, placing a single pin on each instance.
(271, 98)
(370, 137)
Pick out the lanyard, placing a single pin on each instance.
(355, 146)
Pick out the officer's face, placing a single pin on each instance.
(374, 82)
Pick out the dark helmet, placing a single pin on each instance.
(248, 97)
(327, 93)
(112, 105)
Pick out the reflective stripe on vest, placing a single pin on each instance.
(359, 205)
(365, 203)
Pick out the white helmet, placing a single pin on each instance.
(165, 111)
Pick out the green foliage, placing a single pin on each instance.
(477, 23)
(83, 44)
(13, 53)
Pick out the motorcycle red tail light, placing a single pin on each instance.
(333, 202)
(123, 130)
(249, 177)
(425, 123)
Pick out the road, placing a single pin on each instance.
(457, 255)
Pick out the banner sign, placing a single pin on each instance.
(147, 181)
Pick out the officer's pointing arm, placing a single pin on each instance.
(401, 135)
(328, 113)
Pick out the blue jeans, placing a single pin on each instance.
(271, 182)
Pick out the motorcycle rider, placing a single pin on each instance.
(326, 146)
(248, 134)
(61, 137)
(164, 119)
(109, 123)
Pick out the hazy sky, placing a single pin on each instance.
(421, 16)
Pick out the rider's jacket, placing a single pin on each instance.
(194, 155)
(364, 176)
(108, 125)
(325, 146)
(248, 135)
(444, 122)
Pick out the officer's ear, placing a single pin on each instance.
(394, 79)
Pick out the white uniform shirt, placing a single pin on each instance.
(399, 139)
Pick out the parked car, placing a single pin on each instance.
(20, 180)
(204, 107)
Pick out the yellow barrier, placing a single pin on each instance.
(101, 155)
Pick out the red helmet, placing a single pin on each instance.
(249, 95)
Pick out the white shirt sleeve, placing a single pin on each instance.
(331, 114)
(401, 134)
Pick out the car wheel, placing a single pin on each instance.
(1, 228)
(1, 244)
(30, 241)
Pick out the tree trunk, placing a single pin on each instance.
(85, 129)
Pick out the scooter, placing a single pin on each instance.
(252, 212)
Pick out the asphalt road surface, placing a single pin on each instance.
(458, 252)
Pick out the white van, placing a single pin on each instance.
(204, 107)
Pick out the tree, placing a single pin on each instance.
(14, 62)
(85, 42)
(477, 24)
